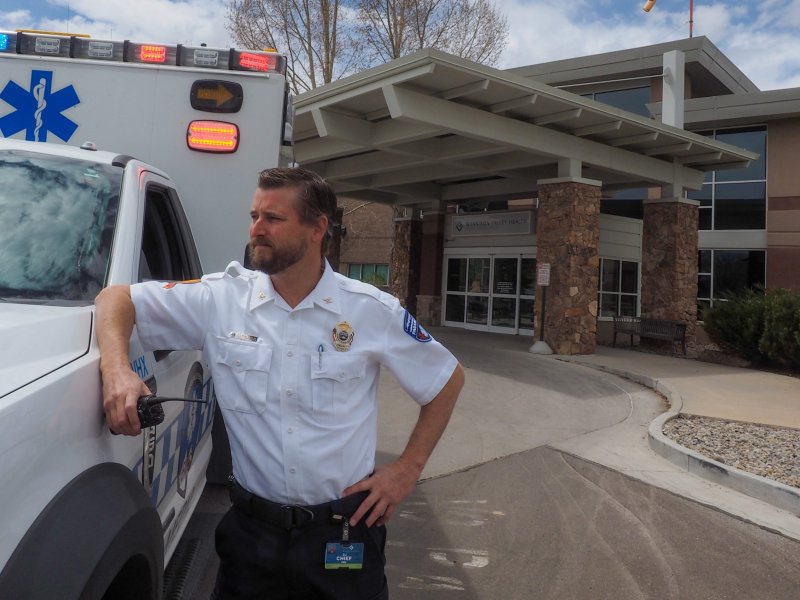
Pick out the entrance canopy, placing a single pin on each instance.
(432, 128)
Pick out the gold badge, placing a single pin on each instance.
(342, 336)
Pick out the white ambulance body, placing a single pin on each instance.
(144, 109)
(86, 514)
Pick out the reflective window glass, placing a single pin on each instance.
(610, 281)
(633, 100)
(457, 275)
(528, 277)
(740, 206)
(505, 276)
(753, 139)
(454, 308)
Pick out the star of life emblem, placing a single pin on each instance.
(38, 110)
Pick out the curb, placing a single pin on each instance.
(772, 492)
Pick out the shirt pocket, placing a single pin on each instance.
(242, 375)
(334, 379)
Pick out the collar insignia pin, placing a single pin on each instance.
(327, 300)
(261, 295)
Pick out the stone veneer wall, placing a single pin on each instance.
(669, 262)
(405, 262)
(567, 237)
(429, 310)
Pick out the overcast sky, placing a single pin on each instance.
(762, 37)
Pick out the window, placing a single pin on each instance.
(633, 100)
(57, 227)
(168, 252)
(736, 198)
(375, 274)
(721, 272)
(623, 203)
(619, 287)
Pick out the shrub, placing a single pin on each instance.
(736, 323)
(780, 341)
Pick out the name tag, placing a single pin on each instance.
(344, 555)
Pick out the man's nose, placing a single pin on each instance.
(258, 227)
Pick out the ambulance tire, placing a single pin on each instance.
(98, 538)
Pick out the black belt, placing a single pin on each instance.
(290, 516)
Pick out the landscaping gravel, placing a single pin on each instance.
(772, 452)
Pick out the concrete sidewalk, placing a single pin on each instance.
(710, 390)
(707, 389)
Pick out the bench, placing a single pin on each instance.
(656, 329)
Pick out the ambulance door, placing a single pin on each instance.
(170, 472)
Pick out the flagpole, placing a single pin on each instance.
(691, 17)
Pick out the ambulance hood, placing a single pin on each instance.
(37, 340)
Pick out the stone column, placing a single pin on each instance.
(429, 299)
(404, 267)
(567, 237)
(669, 262)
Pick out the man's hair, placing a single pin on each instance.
(315, 197)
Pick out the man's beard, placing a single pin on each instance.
(281, 259)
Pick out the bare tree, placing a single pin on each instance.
(472, 29)
(320, 44)
(476, 31)
(325, 40)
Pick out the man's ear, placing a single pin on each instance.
(321, 228)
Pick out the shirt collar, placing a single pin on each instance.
(326, 293)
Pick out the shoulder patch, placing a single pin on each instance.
(414, 329)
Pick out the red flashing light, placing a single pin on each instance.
(152, 54)
(257, 62)
(212, 136)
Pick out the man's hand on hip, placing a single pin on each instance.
(387, 488)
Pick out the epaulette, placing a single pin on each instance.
(235, 269)
(359, 287)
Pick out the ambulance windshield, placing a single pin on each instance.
(58, 218)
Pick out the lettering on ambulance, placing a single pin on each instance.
(139, 366)
(38, 110)
(177, 442)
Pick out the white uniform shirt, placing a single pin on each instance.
(297, 390)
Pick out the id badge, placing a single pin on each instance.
(344, 555)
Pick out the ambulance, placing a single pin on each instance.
(120, 162)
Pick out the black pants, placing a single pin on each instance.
(264, 561)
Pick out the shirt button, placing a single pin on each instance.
(238, 362)
(288, 392)
(290, 430)
(292, 470)
(290, 353)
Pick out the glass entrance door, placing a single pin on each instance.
(490, 293)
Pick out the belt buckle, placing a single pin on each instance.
(288, 513)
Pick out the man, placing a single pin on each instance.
(295, 350)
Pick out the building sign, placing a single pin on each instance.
(512, 223)
(543, 274)
(504, 287)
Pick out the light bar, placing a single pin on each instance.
(264, 62)
(44, 45)
(8, 41)
(213, 136)
(206, 58)
(157, 54)
(97, 49)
